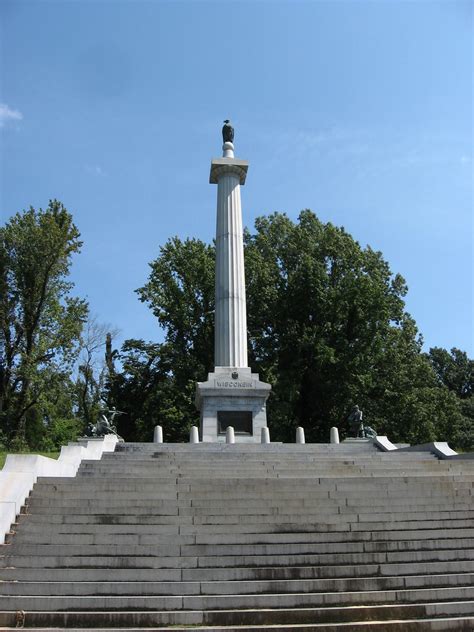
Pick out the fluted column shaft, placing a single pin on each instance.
(231, 312)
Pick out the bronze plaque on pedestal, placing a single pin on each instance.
(240, 420)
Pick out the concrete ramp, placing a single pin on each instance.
(332, 537)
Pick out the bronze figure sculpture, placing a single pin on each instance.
(228, 132)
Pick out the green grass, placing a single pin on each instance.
(3, 456)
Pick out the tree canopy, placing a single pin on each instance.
(40, 322)
(327, 328)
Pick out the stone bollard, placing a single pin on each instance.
(194, 435)
(334, 435)
(300, 435)
(265, 435)
(229, 435)
(158, 435)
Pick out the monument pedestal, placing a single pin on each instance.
(232, 397)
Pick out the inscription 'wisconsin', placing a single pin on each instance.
(233, 384)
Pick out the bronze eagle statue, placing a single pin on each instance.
(228, 132)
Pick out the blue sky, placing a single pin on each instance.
(361, 111)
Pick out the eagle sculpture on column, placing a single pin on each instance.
(228, 132)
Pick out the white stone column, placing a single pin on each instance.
(158, 434)
(232, 395)
(230, 342)
(334, 435)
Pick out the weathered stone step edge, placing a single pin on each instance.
(175, 496)
(348, 513)
(287, 471)
(147, 545)
(228, 470)
(122, 547)
(323, 506)
(267, 496)
(165, 588)
(170, 524)
(56, 533)
(134, 508)
(241, 573)
(354, 505)
(262, 486)
(458, 624)
(39, 523)
(254, 617)
(149, 561)
(389, 477)
(237, 601)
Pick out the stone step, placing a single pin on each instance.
(53, 534)
(165, 588)
(329, 470)
(224, 465)
(159, 490)
(241, 602)
(306, 507)
(391, 504)
(343, 496)
(152, 485)
(347, 511)
(188, 525)
(116, 559)
(440, 624)
(238, 573)
(249, 448)
(132, 544)
(324, 504)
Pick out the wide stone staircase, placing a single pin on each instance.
(246, 537)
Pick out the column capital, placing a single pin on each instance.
(224, 166)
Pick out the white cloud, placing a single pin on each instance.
(95, 170)
(7, 114)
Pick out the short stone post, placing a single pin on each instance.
(194, 435)
(229, 435)
(158, 435)
(300, 435)
(334, 435)
(265, 435)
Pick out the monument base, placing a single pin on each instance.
(232, 397)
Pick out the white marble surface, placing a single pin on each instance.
(20, 472)
(230, 341)
(224, 392)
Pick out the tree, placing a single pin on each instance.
(157, 384)
(148, 391)
(328, 329)
(95, 370)
(40, 322)
(454, 370)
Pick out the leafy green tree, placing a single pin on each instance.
(40, 322)
(52, 422)
(157, 384)
(455, 372)
(328, 329)
(147, 391)
(453, 369)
